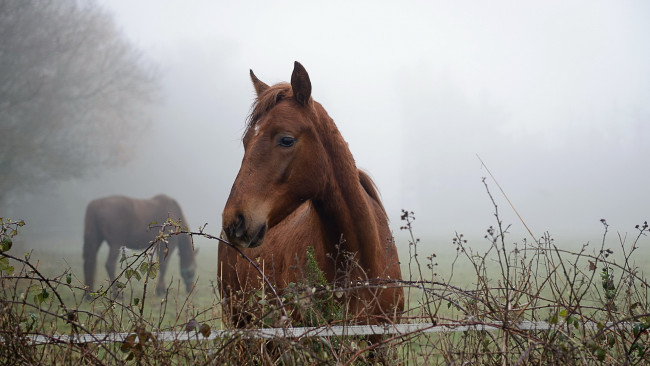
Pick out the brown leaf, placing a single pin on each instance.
(191, 325)
(592, 266)
(128, 343)
(205, 330)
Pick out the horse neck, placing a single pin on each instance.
(185, 251)
(344, 208)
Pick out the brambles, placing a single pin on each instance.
(533, 302)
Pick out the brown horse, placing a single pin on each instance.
(298, 186)
(123, 221)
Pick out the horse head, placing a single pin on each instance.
(284, 164)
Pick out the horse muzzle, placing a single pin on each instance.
(188, 274)
(244, 234)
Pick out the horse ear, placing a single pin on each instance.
(259, 85)
(300, 83)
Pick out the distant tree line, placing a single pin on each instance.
(74, 93)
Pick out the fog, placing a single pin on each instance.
(554, 97)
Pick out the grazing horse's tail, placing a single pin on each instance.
(370, 188)
(92, 240)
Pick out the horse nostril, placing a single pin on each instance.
(240, 226)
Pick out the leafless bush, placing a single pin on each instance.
(584, 307)
(530, 302)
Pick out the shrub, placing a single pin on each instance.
(530, 302)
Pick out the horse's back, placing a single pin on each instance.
(164, 206)
(125, 221)
(109, 215)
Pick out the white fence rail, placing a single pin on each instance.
(303, 332)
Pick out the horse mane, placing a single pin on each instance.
(371, 188)
(269, 99)
(265, 102)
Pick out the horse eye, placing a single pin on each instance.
(286, 141)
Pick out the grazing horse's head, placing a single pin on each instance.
(284, 161)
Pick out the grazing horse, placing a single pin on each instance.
(123, 221)
(299, 187)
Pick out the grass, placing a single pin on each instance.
(594, 297)
(59, 258)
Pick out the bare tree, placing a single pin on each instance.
(74, 93)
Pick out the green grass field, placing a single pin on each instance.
(483, 284)
(54, 258)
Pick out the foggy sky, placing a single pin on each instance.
(554, 97)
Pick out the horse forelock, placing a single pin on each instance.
(266, 101)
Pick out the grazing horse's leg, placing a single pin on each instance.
(90, 248)
(111, 262)
(161, 289)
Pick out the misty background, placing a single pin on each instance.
(554, 97)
